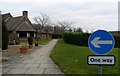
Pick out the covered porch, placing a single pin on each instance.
(26, 34)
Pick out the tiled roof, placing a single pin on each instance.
(12, 22)
(20, 23)
(25, 27)
(5, 16)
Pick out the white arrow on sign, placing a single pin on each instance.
(96, 42)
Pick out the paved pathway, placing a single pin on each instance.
(37, 62)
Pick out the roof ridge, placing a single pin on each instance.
(5, 13)
(17, 16)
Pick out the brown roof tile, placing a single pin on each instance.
(20, 23)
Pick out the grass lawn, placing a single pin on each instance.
(72, 59)
(44, 41)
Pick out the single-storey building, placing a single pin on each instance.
(19, 27)
(42, 33)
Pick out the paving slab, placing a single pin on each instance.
(49, 71)
(35, 71)
(32, 65)
(5, 70)
(28, 61)
(46, 66)
(16, 65)
(4, 65)
(42, 61)
(17, 71)
(37, 62)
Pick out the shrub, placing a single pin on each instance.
(117, 41)
(30, 40)
(82, 39)
(76, 38)
(5, 36)
(56, 36)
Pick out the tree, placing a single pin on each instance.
(74, 29)
(44, 22)
(43, 19)
(79, 29)
(48, 28)
(65, 25)
(57, 29)
(5, 36)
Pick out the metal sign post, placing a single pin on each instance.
(100, 70)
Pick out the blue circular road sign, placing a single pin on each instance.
(101, 42)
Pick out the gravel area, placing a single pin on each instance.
(14, 50)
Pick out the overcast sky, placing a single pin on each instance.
(90, 15)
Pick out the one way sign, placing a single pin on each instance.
(101, 42)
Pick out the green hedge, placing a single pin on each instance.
(82, 39)
(56, 36)
(76, 38)
(5, 36)
(117, 41)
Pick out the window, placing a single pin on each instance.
(32, 34)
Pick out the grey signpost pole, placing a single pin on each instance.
(99, 70)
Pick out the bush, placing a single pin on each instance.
(30, 40)
(76, 38)
(5, 36)
(82, 39)
(117, 41)
(56, 36)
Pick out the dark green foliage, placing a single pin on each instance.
(82, 39)
(5, 36)
(56, 36)
(117, 41)
(30, 40)
(76, 38)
